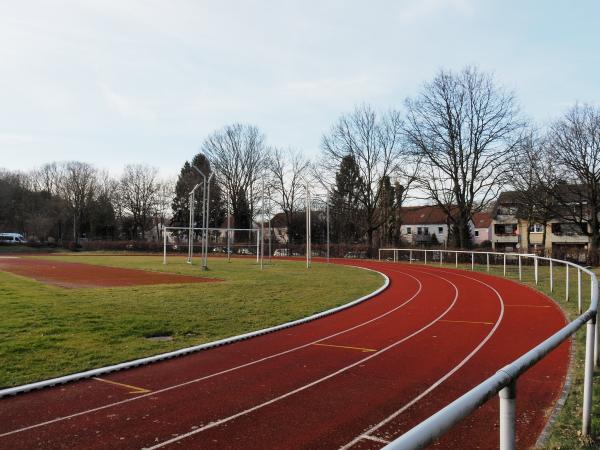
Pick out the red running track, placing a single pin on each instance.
(355, 379)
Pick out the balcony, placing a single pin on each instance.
(506, 238)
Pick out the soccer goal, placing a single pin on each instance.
(227, 242)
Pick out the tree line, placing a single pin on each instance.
(456, 144)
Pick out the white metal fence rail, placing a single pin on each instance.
(503, 382)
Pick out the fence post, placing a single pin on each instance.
(379, 255)
(487, 261)
(504, 264)
(395, 255)
(567, 282)
(579, 290)
(456, 259)
(425, 257)
(535, 268)
(508, 396)
(441, 257)
(551, 278)
(520, 268)
(586, 426)
(472, 261)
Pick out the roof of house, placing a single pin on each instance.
(482, 220)
(423, 215)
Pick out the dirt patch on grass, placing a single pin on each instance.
(77, 275)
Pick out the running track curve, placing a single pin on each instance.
(355, 379)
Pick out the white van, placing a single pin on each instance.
(12, 238)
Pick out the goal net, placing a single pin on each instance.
(224, 242)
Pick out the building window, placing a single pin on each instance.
(419, 230)
(440, 230)
(476, 233)
(426, 231)
(509, 229)
(536, 228)
(408, 230)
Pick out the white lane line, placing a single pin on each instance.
(216, 374)
(445, 377)
(313, 383)
(376, 439)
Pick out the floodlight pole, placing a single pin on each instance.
(262, 225)
(327, 209)
(204, 208)
(308, 223)
(228, 227)
(206, 222)
(270, 233)
(192, 201)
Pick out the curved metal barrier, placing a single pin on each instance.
(503, 382)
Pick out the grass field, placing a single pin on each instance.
(48, 331)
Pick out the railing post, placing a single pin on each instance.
(535, 268)
(379, 255)
(472, 261)
(487, 261)
(395, 255)
(520, 268)
(586, 427)
(504, 264)
(410, 256)
(425, 257)
(579, 290)
(551, 278)
(441, 257)
(567, 282)
(456, 259)
(508, 402)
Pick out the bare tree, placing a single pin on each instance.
(464, 127)
(164, 197)
(138, 190)
(374, 141)
(239, 157)
(77, 186)
(287, 169)
(533, 176)
(574, 148)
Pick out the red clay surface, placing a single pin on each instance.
(355, 379)
(77, 275)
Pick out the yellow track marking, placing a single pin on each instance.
(364, 350)
(531, 306)
(467, 321)
(135, 389)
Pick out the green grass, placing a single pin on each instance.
(47, 331)
(565, 432)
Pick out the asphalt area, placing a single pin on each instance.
(355, 379)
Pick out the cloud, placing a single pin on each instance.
(127, 106)
(411, 11)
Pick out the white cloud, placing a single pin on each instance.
(127, 106)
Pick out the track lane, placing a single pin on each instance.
(313, 400)
(182, 372)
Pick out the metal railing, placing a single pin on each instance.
(503, 382)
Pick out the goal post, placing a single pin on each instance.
(220, 241)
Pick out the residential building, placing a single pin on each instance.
(424, 225)
(482, 227)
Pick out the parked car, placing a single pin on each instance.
(358, 255)
(12, 238)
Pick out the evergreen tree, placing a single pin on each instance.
(346, 221)
(188, 178)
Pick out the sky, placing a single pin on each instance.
(115, 82)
